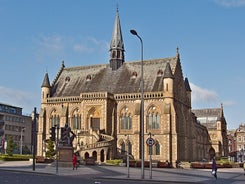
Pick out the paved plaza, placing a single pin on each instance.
(225, 176)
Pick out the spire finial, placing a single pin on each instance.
(177, 52)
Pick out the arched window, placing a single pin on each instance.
(125, 120)
(76, 119)
(54, 119)
(153, 119)
(123, 151)
(129, 148)
(157, 148)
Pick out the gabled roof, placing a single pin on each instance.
(209, 112)
(187, 84)
(101, 78)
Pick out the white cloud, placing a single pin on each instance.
(51, 43)
(82, 48)
(229, 103)
(18, 98)
(231, 3)
(90, 45)
(200, 95)
(48, 47)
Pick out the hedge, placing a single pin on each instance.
(15, 157)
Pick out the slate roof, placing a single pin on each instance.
(71, 81)
(212, 115)
(46, 81)
(210, 112)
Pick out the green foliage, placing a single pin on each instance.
(114, 162)
(10, 146)
(223, 160)
(50, 149)
(25, 150)
(15, 157)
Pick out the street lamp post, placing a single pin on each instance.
(21, 139)
(142, 106)
(128, 156)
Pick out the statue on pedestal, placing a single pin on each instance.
(67, 135)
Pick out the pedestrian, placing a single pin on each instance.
(74, 161)
(214, 168)
(244, 167)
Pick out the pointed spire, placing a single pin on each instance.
(187, 85)
(168, 72)
(221, 113)
(117, 40)
(46, 82)
(116, 46)
(221, 110)
(177, 53)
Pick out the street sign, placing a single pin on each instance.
(150, 141)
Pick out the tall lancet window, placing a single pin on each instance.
(153, 118)
(54, 118)
(76, 119)
(123, 147)
(125, 119)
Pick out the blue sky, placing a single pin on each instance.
(37, 35)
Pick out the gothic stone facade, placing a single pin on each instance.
(213, 119)
(101, 104)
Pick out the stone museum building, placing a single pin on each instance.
(213, 119)
(101, 104)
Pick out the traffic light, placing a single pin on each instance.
(52, 133)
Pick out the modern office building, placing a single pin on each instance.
(15, 125)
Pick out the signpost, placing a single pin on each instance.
(150, 142)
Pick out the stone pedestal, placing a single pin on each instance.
(65, 154)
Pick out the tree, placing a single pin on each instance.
(50, 149)
(26, 150)
(10, 146)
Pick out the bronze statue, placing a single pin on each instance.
(66, 138)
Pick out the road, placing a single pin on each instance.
(18, 177)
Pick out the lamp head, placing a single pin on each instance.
(133, 32)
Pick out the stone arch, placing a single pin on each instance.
(53, 117)
(86, 155)
(94, 155)
(120, 141)
(93, 119)
(53, 109)
(211, 152)
(102, 155)
(94, 112)
(157, 147)
(152, 107)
